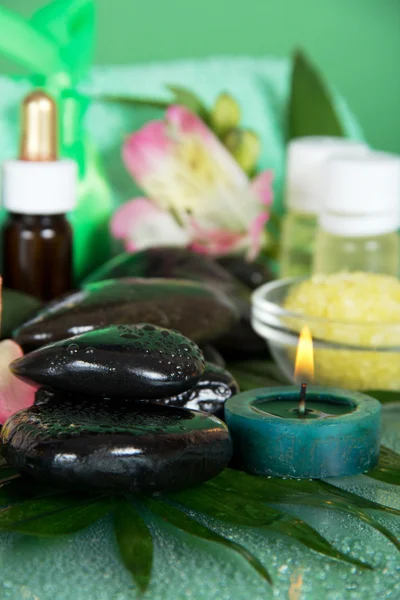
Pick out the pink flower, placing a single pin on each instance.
(197, 193)
(14, 393)
(140, 221)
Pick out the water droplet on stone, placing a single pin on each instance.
(73, 348)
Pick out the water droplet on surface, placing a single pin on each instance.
(73, 348)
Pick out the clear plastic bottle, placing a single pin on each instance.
(304, 197)
(358, 226)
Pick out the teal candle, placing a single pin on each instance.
(338, 434)
(314, 409)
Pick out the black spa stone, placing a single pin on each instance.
(166, 262)
(196, 310)
(251, 274)
(212, 355)
(209, 394)
(232, 275)
(139, 361)
(116, 445)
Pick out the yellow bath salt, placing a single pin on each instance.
(353, 309)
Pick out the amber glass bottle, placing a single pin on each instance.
(38, 251)
(38, 191)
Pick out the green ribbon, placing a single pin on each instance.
(56, 46)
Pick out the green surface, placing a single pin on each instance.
(356, 44)
(223, 540)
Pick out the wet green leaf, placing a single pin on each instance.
(388, 468)
(189, 525)
(53, 515)
(311, 108)
(308, 493)
(135, 542)
(243, 510)
(294, 491)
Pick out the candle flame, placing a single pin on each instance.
(304, 365)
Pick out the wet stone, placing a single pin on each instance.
(231, 274)
(166, 262)
(242, 341)
(197, 311)
(139, 361)
(252, 274)
(209, 394)
(212, 355)
(116, 445)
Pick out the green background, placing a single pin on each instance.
(355, 43)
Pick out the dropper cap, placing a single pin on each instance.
(38, 183)
(39, 128)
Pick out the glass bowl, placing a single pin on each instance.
(351, 355)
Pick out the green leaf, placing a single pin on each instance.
(255, 374)
(53, 515)
(246, 511)
(182, 521)
(134, 542)
(384, 396)
(388, 469)
(16, 490)
(307, 493)
(294, 491)
(311, 109)
(185, 97)
(16, 309)
(7, 472)
(131, 101)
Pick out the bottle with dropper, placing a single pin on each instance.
(38, 191)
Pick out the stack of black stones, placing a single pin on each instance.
(126, 400)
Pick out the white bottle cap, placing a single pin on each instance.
(305, 175)
(39, 188)
(38, 183)
(363, 195)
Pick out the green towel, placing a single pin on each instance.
(261, 85)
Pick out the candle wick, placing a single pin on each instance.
(302, 401)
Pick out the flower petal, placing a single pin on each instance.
(215, 242)
(181, 164)
(142, 225)
(144, 149)
(261, 186)
(187, 122)
(126, 216)
(14, 393)
(256, 235)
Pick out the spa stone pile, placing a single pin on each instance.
(114, 405)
